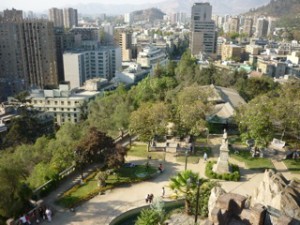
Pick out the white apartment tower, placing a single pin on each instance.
(203, 35)
(70, 18)
(85, 65)
(56, 16)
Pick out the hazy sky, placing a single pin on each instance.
(40, 5)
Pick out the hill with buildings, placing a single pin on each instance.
(278, 8)
(147, 15)
(171, 6)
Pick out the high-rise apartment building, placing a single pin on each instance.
(81, 66)
(27, 54)
(234, 25)
(247, 28)
(56, 16)
(13, 15)
(202, 38)
(125, 42)
(262, 28)
(70, 18)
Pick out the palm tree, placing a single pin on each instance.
(184, 183)
(156, 215)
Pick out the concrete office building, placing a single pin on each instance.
(70, 18)
(203, 35)
(56, 16)
(262, 28)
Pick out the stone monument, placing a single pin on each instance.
(222, 165)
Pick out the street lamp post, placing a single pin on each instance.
(197, 201)
(186, 158)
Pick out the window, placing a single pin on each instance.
(55, 102)
(62, 102)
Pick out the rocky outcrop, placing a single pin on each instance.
(216, 192)
(280, 196)
(276, 201)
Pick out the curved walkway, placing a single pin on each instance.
(103, 208)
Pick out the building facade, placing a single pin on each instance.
(203, 35)
(125, 43)
(81, 66)
(262, 28)
(70, 18)
(247, 28)
(151, 56)
(234, 25)
(63, 104)
(56, 16)
(27, 54)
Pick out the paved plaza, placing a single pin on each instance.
(103, 208)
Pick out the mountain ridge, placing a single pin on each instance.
(171, 6)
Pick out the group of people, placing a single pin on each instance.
(149, 198)
(36, 216)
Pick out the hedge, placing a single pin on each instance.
(233, 176)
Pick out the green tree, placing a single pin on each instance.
(191, 106)
(23, 130)
(156, 215)
(14, 195)
(183, 185)
(255, 121)
(149, 120)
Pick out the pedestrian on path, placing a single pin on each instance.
(151, 196)
(147, 198)
(163, 192)
(205, 156)
(48, 214)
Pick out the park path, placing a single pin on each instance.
(103, 208)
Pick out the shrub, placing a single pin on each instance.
(233, 176)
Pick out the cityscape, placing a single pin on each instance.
(167, 112)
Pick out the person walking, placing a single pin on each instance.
(48, 214)
(163, 192)
(205, 156)
(147, 198)
(151, 196)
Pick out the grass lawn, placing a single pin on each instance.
(140, 150)
(293, 165)
(250, 162)
(199, 152)
(201, 140)
(89, 189)
(235, 139)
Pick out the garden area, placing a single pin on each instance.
(252, 163)
(139, 149)
(293, 165)
(129, 173)
(194, 158)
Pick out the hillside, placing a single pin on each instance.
(279, 8)
(148, 15)
(220, 7)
